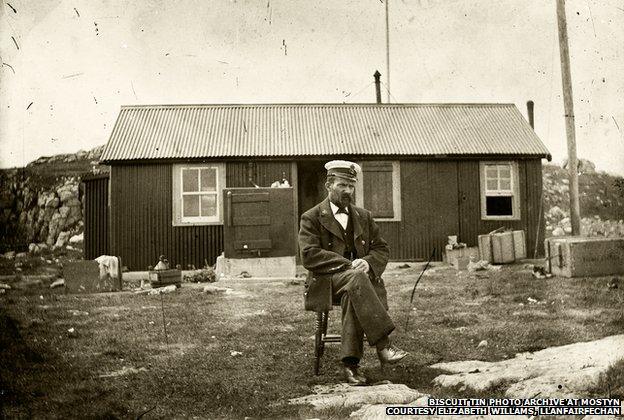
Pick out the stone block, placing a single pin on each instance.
(272, 267)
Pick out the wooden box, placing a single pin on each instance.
(460, 257)
(504, 247)
(160, 278)
(575, 256)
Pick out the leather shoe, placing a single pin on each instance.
(353, 377)
(391, 354)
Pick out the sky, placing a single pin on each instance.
(68, 65)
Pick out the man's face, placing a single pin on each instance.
(340, 191)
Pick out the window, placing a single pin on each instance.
(500, 198)
(197, 194)
(379, 189)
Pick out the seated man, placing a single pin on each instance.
(341, 246)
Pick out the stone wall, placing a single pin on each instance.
(41, 205)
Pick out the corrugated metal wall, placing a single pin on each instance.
(442, 198)
(429, 207)
(141, 221)
(262, 173)
(439, 198)
(141, 214)
(535, 210)
(96, 238)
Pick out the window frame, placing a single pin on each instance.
(396, 191)
(178, 194)
(513, 192)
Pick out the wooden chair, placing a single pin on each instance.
(321, 337)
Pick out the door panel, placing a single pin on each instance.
(259, 222)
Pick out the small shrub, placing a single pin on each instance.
(205, 275)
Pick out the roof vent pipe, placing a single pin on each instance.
(377, 75)
(530, 105)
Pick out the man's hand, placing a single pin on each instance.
(360, 264)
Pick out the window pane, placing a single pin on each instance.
(498, 206)
(491, 172)
(209, 179)
(492, 185)
(504, 172)
(505, 184)
(190, 206)
(208, 205)
(190, 180)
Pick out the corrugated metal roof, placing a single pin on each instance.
(274, 130)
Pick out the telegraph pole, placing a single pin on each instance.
(387, 50)
(568, 104)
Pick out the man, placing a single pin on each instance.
(340, 245)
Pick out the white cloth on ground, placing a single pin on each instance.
(108, 265)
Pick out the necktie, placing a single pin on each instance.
(341, 210)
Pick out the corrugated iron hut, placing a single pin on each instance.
(429, 171)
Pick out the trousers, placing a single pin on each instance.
(364, 311)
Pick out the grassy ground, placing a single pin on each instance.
(47, 371)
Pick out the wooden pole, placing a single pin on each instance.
(568, 104)
(387, 50)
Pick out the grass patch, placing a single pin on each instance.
(196, 369)
(611, 383)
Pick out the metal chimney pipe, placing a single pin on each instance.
(530, 105)
(377, 75)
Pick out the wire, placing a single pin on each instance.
(359, 92)
(391, 95)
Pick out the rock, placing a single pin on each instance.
(57, 283)
(21, 255)
(76, 312)
(558, 232)
(62, 239)
(478, 265)
(235, 353)
(343, 395)
(67, 192)
(9, 255)
(482, 344)
(611, 284)
(33, 248)
(5, 286)
(76, 239)
(123, 371)
(558, 372)
(163, 290)
(284, 328)
(215, 290)
(52, 201)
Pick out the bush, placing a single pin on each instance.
(205, 275)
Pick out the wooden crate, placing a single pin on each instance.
(502, 248)
(160, 278)
(460, 257)
(575, 256)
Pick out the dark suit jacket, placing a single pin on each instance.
(322, 249)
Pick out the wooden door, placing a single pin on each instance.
(259, 222)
